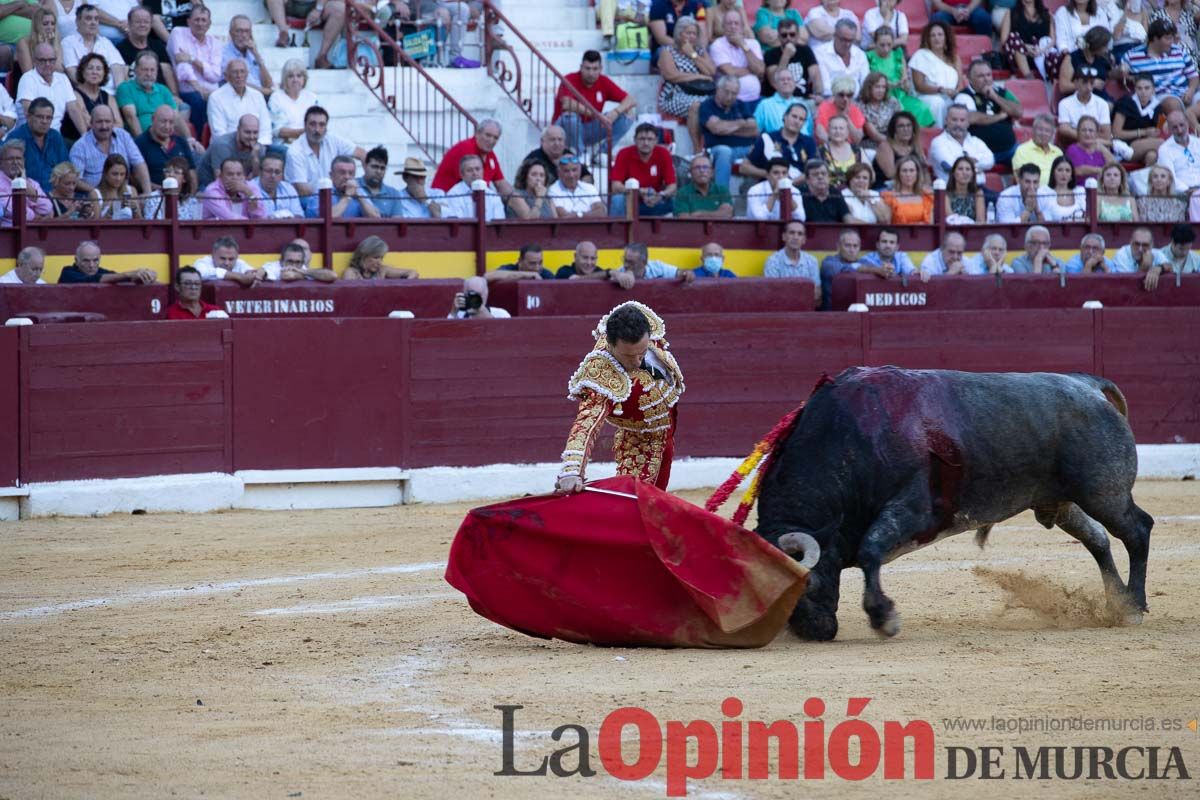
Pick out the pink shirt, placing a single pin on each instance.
(37, 204)
(723, 52)
(218, 205)
(205, 70)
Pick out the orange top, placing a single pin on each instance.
(910, 209)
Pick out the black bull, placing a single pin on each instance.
(885, 460)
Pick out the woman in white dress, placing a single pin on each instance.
(885, 14)
(863, 201)
(1070, 201)
(1075, 19)
(288, 104)
(65, 11)
(936, 73)
(819, 22)
(1137, 19)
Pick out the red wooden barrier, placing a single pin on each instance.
(946, 292)
(10, 393)
(1055, 340)
(377, 298)
(572, 298)
(1154, 358)
(744, 373)
(491, 389)
(128, 399)
(115, 302)
(340, 405)
(125, 399)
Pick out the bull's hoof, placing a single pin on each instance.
(1125, 613)
(890, 626)
(814, 627)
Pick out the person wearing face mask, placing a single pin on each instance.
(712, 262)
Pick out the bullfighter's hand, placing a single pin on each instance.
(569, 484)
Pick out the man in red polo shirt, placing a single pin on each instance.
(482, 144)
(187, 290)
(650, 164)
(581, 121)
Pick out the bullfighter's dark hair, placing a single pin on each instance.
(626, 324)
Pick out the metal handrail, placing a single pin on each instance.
(533, 89)
(414, 98)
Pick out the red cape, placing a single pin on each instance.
(602, 569)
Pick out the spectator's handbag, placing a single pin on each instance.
(632, 36)
(702, 88)
(628, 62)
(368, 49)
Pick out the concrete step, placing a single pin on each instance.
(533, 16)
(225, 10)
(560, 29)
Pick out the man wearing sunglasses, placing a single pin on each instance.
(796, 58)
(842, 56)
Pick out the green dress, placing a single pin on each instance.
(1119, 211)
(893, 68)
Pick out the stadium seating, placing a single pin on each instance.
(971, 46)
(1032, 94)
(917, 13)
(927, 136)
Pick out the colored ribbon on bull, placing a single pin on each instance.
(762, 457)
(763, 454)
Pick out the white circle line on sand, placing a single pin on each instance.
(372, 603)
(203, 590)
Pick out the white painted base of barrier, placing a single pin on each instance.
(194, 493)
(10, 502)
(285, 489)
(1169, 461)
(461, 484)
(390, 486)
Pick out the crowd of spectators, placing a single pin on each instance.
(874, 89)
(822, 85)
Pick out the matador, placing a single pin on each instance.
(631, 381)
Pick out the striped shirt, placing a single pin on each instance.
(1171, 71)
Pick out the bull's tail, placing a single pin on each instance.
(1110, 391)
(762, 457)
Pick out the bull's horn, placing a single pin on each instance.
(796, 543)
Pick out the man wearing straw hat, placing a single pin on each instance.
(416, 201)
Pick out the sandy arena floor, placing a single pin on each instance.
(321, 655)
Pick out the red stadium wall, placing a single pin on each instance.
(124, 399)
(10, 407)
(129, 399)
(319, 393)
